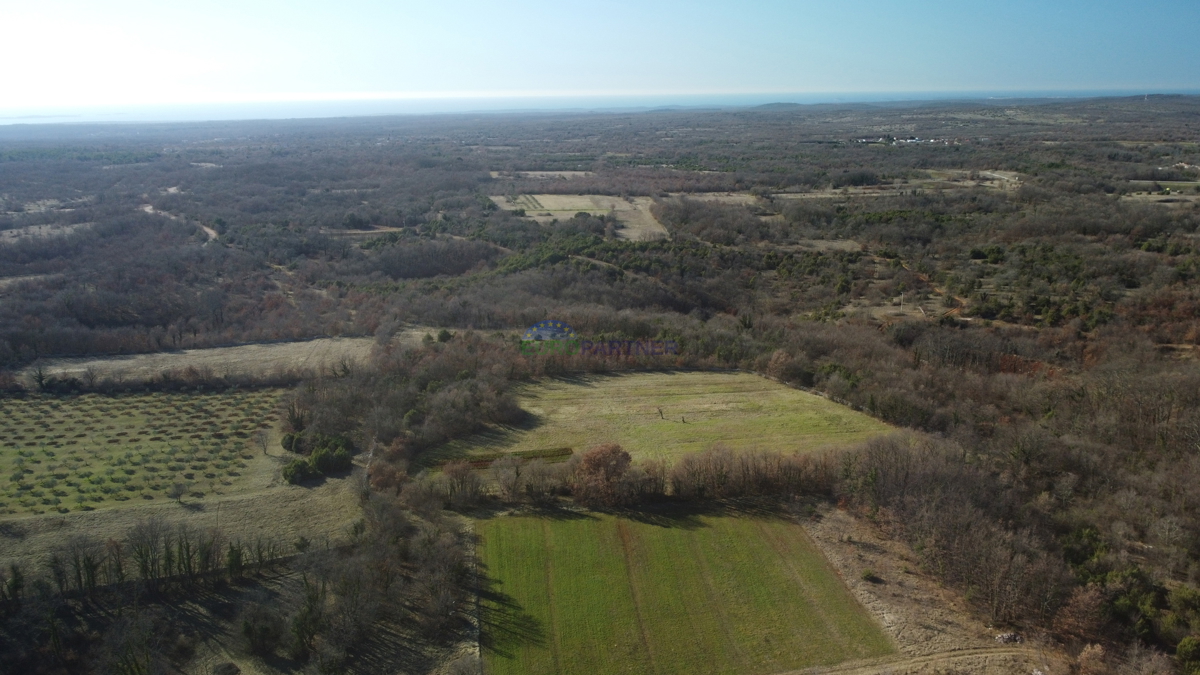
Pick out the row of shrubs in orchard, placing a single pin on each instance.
(326, 455)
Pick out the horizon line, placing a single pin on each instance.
(281, 107)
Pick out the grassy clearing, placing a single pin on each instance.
(253, 359)
(633, 212)
(741, 410)
(699, 594)
(84, 452)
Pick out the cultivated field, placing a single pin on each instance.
(253, 359)
(59, 454)
(719, 197)
(692, 594)
(741, 410)
(633, 212)
(1182, 194)
(97, 465)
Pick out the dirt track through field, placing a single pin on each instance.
(998, 661)
(932, 626)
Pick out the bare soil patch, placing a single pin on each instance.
(931, 625)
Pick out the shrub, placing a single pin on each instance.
(1188, 653)
(596, 480)
(297, 471)
(326, 460)
(263, 629)
(291, 442)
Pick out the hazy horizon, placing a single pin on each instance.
(133, 60)
(310, 109)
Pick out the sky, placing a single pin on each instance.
(61, 56)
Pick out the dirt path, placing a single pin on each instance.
(1002, 660)
(931, 625)
(148, 208)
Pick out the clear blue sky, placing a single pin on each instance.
(72, 53)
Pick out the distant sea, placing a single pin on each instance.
(430, 106)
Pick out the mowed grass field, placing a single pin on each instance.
(65, 453)
(741, 410)
(705, 594)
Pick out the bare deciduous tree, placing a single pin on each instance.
(508, 472)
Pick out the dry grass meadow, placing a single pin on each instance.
(252, 359)
(632, 212)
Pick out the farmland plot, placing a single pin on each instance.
(80, 453)
(595, 593)
(665, 415)
(632, 212)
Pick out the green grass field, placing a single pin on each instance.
(63, 453)
(705, 594)
(741, 410)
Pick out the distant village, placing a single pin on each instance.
(892, 140)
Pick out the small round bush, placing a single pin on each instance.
(328, 460)
(291, 442)
(297, 471)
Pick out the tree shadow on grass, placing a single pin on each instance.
(494, 438)
(399, 647)
(550, 511)
(504, 624)
(687, 515)
(593, 379)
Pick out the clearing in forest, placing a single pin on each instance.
(591, 593)
(741, 410)
(265, 359)
(632, 212)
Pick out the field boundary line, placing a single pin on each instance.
(554, 632)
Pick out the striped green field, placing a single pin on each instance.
(703, 594)
(698, 409)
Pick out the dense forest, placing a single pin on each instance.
(1047, 255)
